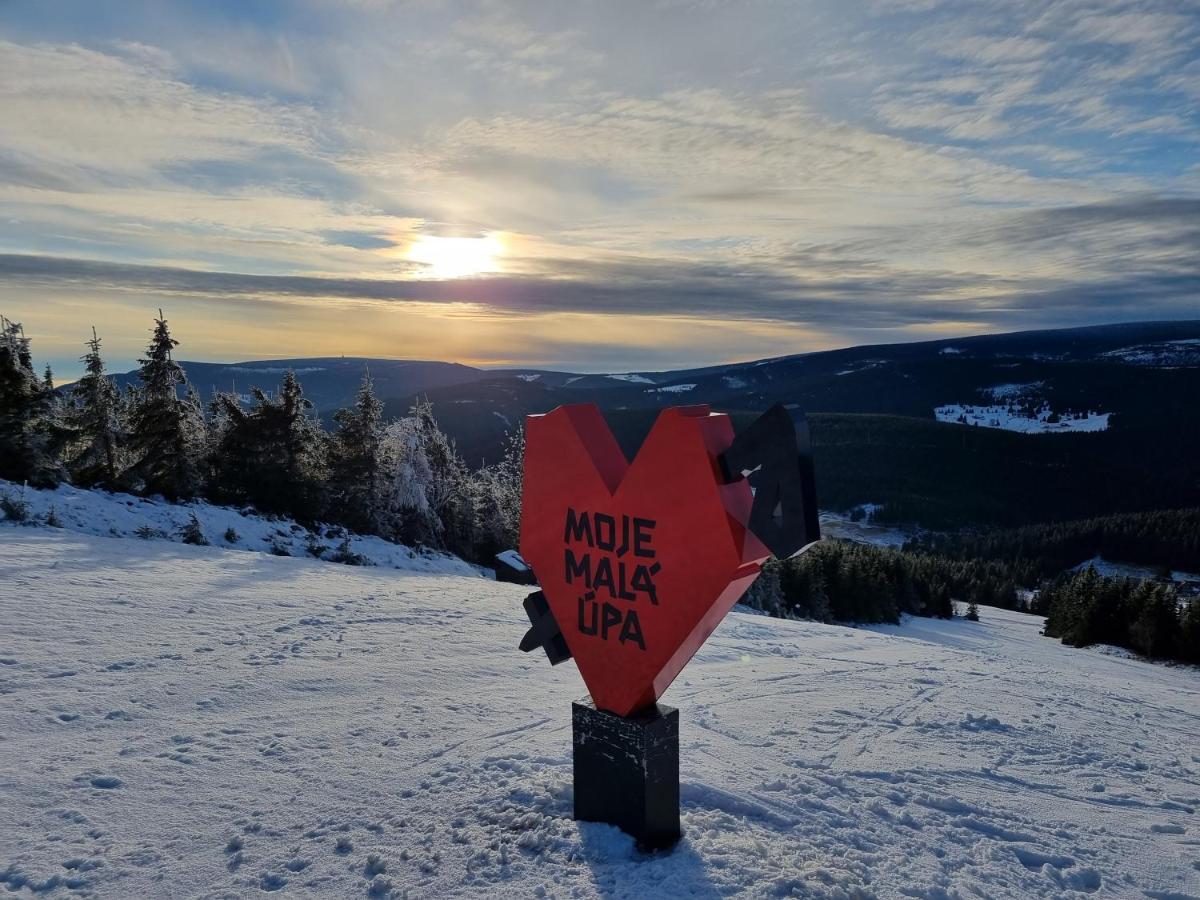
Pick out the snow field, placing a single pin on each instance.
(195, 722)
(1009, 418)
(122, 515)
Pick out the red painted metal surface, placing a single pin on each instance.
(639, 561)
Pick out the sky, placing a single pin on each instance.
(592, 186)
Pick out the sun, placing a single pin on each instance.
(455, 257)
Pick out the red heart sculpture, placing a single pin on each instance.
(638, 562)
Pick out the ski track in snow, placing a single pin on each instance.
(182, 721)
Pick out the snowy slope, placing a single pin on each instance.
(124, 515)
(183, 721)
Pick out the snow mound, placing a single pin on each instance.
(191, 721)
(128, 516)
(633, 378)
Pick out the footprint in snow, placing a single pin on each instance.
(273, 882)
(106, 782)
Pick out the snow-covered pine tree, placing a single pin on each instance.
(355, 461)
(488, 509)
(29, 438)
(406, 486)
(94, 422)
(166, 431)
(274, 455)
(449, 486)
(510, 478)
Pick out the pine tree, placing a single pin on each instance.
(94, 422)
(406, 502)
(274, 455)
(1155, 630)
(356, 461)
(29, 438)
(510, 479)
(1189, 631)
(167, 432)
(766, 593)
(191, 532)
(428, 496)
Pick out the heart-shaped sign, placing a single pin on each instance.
(639, 561)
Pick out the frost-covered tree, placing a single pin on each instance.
(355, 461)
(490, 505)
(510, 479)
(409, 501)
(29, 437)
(94, 422)
(272, 455)
(166, 430)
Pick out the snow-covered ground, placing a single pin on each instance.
(1111, 569)
(1013, 391)
(1185, 352)
(124, 515)
(863, 531)
(633, 378)
(182, 721)
(1012, 418)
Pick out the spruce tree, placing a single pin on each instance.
(449, 492)
(94, 423)
(29, 438)
(356, 461)
(167, 431)
(274, 455)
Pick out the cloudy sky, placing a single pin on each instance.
(592, 185)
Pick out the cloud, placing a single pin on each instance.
(1139, 256)
(907, 166)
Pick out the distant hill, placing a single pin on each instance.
(329, 383)
(1108, 367)
(1139, 375)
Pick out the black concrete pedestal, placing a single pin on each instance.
(627, 771)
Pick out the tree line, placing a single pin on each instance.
(1167, 539)
(1083, 608)
(843, 581)
(402, 480)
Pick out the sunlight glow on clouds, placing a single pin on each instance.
(455, 257)
(815, 174)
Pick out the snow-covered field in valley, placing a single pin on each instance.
(836, 524)
(1009, 418)
(180, 721)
